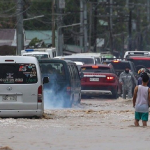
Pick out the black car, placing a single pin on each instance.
(64, 87)
(119, 66)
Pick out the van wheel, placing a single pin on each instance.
(71, 102)
(79, 100)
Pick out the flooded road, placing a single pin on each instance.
(92, 125)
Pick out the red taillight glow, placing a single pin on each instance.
(115, 61)
(40, 94)
(110, 78)
(68, 90)
(95, 67)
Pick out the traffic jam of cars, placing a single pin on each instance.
(30, 84)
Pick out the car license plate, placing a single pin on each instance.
(94, 79)
(9, 98)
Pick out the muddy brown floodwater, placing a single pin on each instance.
(95, 124)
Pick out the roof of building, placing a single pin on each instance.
(7, 34)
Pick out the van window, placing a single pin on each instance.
(75, 72)
(96, 70)
(71, 72)
(18, 74)
(121, 65)
(54, 70)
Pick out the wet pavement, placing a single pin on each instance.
(96, 123)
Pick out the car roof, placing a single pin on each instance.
(49, 60)
(125, 61)
(32, 53)
(136, 51)
(139, 57)
(87, 54)
(78, 63)
(18, 59)
(77, 56)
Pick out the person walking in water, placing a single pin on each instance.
(128, 82)
(141, 101)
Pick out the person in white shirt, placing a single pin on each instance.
(141, 101)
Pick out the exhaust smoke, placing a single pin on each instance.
(55, 94)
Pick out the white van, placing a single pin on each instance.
(40, 52)
(20, 87)
(136, 53)
(38, 55)
(98, 56)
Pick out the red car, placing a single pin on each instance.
(99, 79)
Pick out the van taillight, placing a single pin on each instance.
(40, 94)
(68, 90)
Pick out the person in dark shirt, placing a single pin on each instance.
(140, 79)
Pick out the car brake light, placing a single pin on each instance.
(110, 78)
(95, 67)
(115, 61)
(68, 90)
(40, 94)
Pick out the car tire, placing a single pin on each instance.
(115, 94)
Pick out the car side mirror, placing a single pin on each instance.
(81, 75)
(45, 80)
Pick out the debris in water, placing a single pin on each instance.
(47, 116)
(5, 148)
(89, 111)
(11, 137)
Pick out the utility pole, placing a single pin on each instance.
(127, 3)
(90, 25)
(60, 7)
(95, 28)
(111, 26)
(82, 23)
(85, 26)
(148, 10)
(53, 24)
(130, 31)
(20, 35)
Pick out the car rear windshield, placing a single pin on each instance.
(18, 74)
(84, 60)
(96, 70)
(119, 65)
(53, 70)
(141, 63)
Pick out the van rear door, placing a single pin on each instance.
(18, 86)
